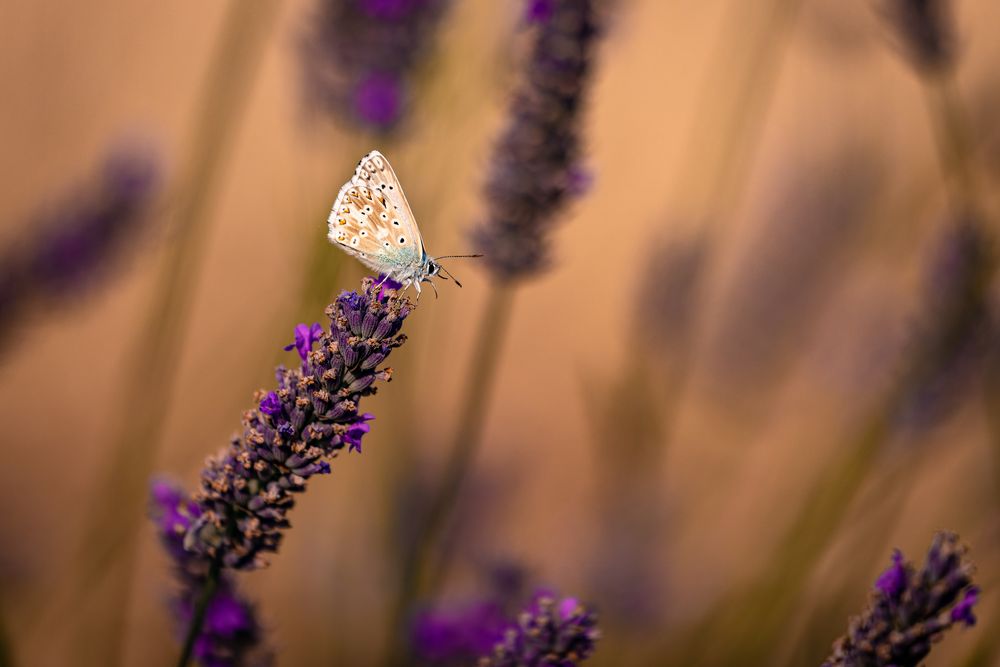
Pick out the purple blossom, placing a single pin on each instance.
(910, 609)
(76, 240)
(535, 166)
(549, 633)
(241, 509)
(230, 634)
(378, 99)
(539, 11)
(359, 55)
(271, 405)
(458, 635)
(962, 612)
(305, 337)
(892, 582)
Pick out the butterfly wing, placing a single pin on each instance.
(375, 172)
(367, 225)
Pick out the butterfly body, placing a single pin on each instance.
(372, 221)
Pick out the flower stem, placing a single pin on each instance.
(198, 618)
(419, 570)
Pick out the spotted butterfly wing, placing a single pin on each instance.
(372, 221)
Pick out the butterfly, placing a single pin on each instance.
(372, 221)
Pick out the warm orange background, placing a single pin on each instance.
(78, 76)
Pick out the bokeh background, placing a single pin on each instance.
(646, 445)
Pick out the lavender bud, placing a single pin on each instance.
(910, 609)
(535, 166)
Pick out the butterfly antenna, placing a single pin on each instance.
(456, 256)
(447, 274)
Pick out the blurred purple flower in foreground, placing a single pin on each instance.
(924, 28)
(458, 635)
(230, 633)
(909, 610)
(358, 55)
(76, 241)
(550, 633)
(535, 165)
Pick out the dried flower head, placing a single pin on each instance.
(910, 609)
(924, 29)
(550, 633)
(535, 164)
(358, 56)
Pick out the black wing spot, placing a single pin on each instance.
(402, 239)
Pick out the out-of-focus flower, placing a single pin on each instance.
(457, 635)
(536, 162)
(358, 57)
(910, 609)
(924, 29)
(952, 333)
(75, 242)
(550, 633)
(230, 634)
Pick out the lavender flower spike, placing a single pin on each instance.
(247, 490)
(910, 610)
(359, 54)
(230, 634)
(536, 161)
(549, 633)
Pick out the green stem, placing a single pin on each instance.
(418, 570)
(198, 618)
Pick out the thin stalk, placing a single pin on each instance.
(148, 386)
(198, 618)
(418, 570)
(754, 627)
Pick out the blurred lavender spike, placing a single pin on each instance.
(73, 244)
(924, 30)
(956, 286)
(358, 56)
(246, 490)
(231, 634)
(910, 609)
(536, 163)
(550, 633)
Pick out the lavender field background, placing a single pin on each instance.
(761, 356)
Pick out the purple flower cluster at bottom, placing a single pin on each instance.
(549, 633)
(230, 633)
(910, 609)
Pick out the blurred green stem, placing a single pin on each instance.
(146, 391)
(419, 569)
(198, 616)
